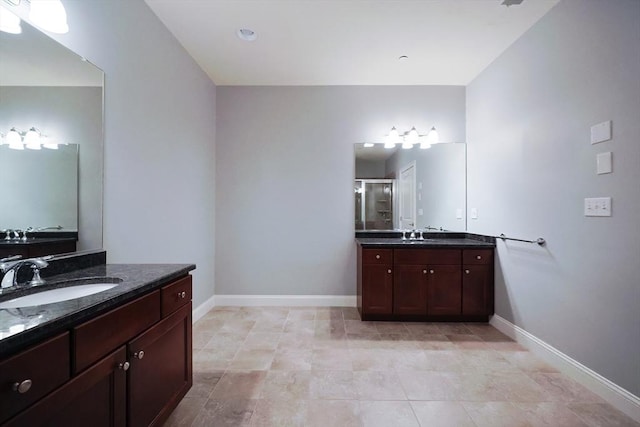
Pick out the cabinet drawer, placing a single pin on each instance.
(97, 337)
(175, 295)
(377, 256)
(427, 256)
(477, 256)
(46, 365)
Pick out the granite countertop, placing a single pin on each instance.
(20, 327)
(459, 242)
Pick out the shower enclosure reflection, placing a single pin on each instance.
(374, 204)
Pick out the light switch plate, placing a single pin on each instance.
(459, 213)
(604, 163)
(597, 206)
(420, 212)
(474, 213)
(601, 132)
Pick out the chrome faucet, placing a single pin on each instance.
(10, 267)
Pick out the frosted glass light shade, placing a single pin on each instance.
(49, 15)
(432, 136)
(412, 136)
(14, 140)
(32, 139)
(9, 23)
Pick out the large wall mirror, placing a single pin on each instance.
(401, 189)
(45, 85)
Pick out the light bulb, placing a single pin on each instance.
(9, 23)
(32, 139)
(406, 144)
(432, 136)
(14, 140)
(49, 15)
(413, 135)
(368, 144)
(48, 143)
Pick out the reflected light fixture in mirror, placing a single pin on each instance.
(50, 15)
(33, 139)
(410, 138)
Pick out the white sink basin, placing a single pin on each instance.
(57, 295)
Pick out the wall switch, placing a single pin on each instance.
(419, 196)
(474, 213)
(420, 212)
(604, 163)
(459, 213)
(420, 186)
(601, 132)
(597, 206)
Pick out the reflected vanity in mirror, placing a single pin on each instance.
(405, 189)
(46, 86)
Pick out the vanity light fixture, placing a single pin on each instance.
(50, 15)
(9, 23)
(410, 138)
(33, 139)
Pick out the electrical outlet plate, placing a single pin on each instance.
(597, 206)
(604, 163)
(601, 132)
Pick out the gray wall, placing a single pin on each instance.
(159, 138)
(531, 165)
(284, 176)
(369, 168)
(70, 115)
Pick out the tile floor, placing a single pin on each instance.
(265, 366)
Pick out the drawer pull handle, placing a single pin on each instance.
(138, 354)
(124, 366)
(478, 256)
(377, 256)
(467, 271)
(431, 271)
(389, 271)
(22, 387)
(182, 294)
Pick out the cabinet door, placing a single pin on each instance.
(162, 352)
(96, 398)
(410, 289)
(444, 290)
(477, 282)
(377, 289)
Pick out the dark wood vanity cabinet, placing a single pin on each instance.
(131, 366)
(36, 249)
(425, 284)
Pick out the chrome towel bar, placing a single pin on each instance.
(540, 241)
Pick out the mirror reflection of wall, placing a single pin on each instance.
(47, 86)
(46, 181)
(374, 204)
(439, 194)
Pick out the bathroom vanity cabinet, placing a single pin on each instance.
(130, 366)
(37, 247)
(432, 284)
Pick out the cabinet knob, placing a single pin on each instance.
(424, 271)
(431, 271)
(182, 294)
(22, 387)
(466, 271)
(478, 256)
(377, 256)
(138, 354)
(124, 366)
(389, 271)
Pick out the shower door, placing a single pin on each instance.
(374, 204)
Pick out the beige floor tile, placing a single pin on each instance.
(300, 326)
(186, 412)
(257, 360)
(475, 387)
(434, 342)
(328, 313)
(427, 385)
(468, 342)
(299, 341)
(332, 359)
(360, 327)
(292, 359)
(330, 327)
(279, 413)
(387, 414)
(441, 414)
(330, 342)
(208, 324)
(372, 359)
(214, 354)
(601, 415)
(391, 328)
(329, 413)
(269, 325)
(421, 329)
(517, 387)
(281, 385)
(453, 329)
(496, 414)
(378, 385)
(239, 385)
(487, 361)
(261, 341)
(240, 328)
(201, 339)
(550, 414)
(231, 413)
(527, 362)
(443, 360)
(409, 360)
(204, 382)
(296, 314)
(563, 389)
(332, 385)
(350, 313)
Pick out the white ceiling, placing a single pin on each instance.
(347, 42)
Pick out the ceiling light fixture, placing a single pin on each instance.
(9, 23)
(246, 34)
(49, 15)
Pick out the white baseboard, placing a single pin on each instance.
(202, 309)
(286, 300)
(618, 397)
